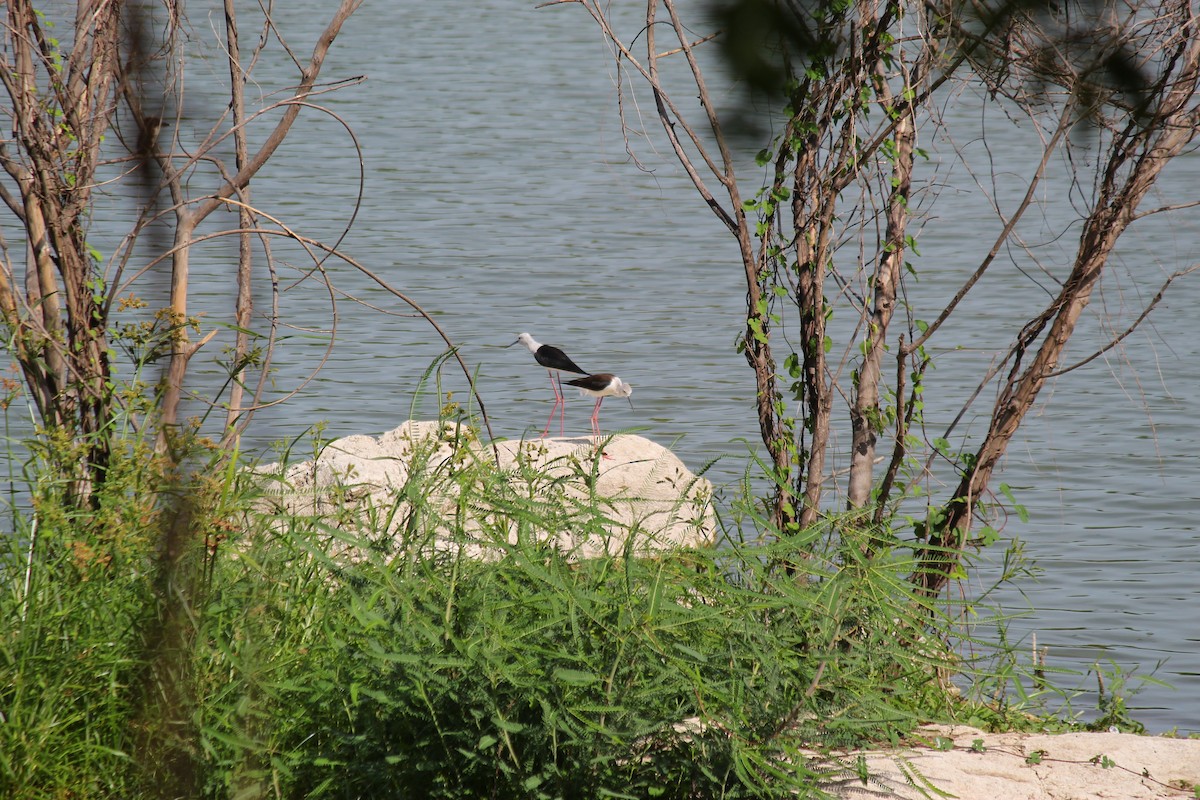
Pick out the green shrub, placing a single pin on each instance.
(396, 669)
(77, 589)
(197, 646)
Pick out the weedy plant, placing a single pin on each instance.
(403, 669)
(91, 648)
(189, 638)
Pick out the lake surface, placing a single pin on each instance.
(499, 195)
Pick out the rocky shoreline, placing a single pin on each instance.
(968, 764)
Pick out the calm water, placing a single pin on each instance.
(499, 196)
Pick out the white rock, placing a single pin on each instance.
(637, 496)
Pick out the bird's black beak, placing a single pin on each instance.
(630, 399)
(510, 345)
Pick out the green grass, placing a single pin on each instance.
(173, 641)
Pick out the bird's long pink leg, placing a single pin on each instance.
(596, 425)
(562, 410)
(596, 419)
(559, 402)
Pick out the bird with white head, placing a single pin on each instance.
(600, 386)
(556, 362)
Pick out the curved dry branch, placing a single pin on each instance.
(178, 165)
(725, 174)
(308, 245)
(356, 206)
(669, 114)
(314, 244)
(307, 84)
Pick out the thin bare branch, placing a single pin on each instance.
(1142, 317)
(1064, 124)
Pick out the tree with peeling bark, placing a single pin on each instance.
(1136, 141)
(95, 106)
(95, 100)
(825, 243)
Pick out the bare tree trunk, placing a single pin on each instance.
(756, 339)
(181, 348)
(811, 255)
(865, 414)
(244, 310)
(58, 123)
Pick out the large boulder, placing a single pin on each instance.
(436, 484)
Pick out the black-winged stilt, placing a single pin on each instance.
(555, 361)
(600, 386)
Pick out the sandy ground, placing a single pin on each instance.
(969, 764)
